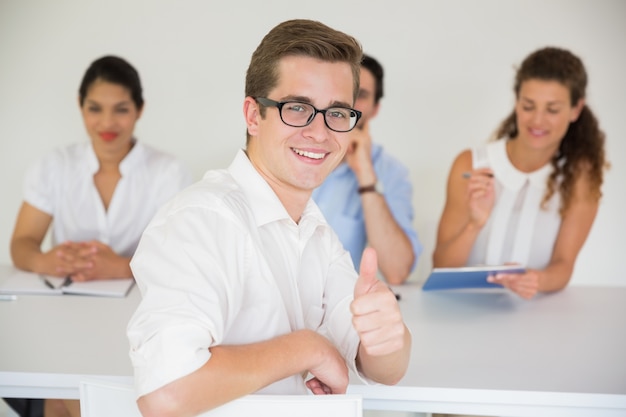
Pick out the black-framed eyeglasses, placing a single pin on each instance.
(298, 114)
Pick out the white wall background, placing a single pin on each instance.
(449, 72)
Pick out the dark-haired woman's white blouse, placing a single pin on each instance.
(61, 184)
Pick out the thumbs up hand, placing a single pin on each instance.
(367, 278)
(375, 312)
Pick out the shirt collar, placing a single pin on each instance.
(267, 206)
(135, 157)
(510, 176)
(91, 160)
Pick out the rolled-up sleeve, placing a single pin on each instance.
(39, 183)
(189, 294)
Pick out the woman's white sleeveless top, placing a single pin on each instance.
(518, 230)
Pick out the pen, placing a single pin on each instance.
(65, 283)
(45, 281)
(9, 297)
(394, 293)
(468, 174)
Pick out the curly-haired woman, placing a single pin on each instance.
(530, 196)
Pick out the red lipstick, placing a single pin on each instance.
(108, 136)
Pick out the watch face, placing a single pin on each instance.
(379, 187)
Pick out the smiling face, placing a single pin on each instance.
(109, 114)
(295, 160)
(544, 112)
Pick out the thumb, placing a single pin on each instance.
(367, 277)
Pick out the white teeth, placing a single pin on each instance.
(311, 155)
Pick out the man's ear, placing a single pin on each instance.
(577, 109)
(251, 115)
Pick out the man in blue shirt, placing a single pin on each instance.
(367, 199)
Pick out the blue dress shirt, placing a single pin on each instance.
(340, 202)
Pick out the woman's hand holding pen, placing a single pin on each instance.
(480, 194)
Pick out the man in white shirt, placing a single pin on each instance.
(245, 286)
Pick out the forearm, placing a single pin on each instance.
(394, 248)
(233, 372)
(122, 268)
(387, 369)
(455, 251)
(26, 255)
(575, 228)
(555, 277)
(97, 260)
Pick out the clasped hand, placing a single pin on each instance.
(85, 261)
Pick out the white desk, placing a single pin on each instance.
(492, 353)
(49, 343)
(486, 353)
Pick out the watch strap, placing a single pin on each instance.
(367, 189)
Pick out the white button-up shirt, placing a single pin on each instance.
(519, 229)
(61, 184)
(223, 263)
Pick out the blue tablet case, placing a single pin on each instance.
(466, 277)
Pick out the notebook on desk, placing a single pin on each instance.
(22, 282)
(467, 277)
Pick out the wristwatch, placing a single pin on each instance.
(372, 188)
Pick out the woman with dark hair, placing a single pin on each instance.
(530, 196)
(100, 194)
(97, 196)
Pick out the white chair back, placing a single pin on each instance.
(108, 399)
